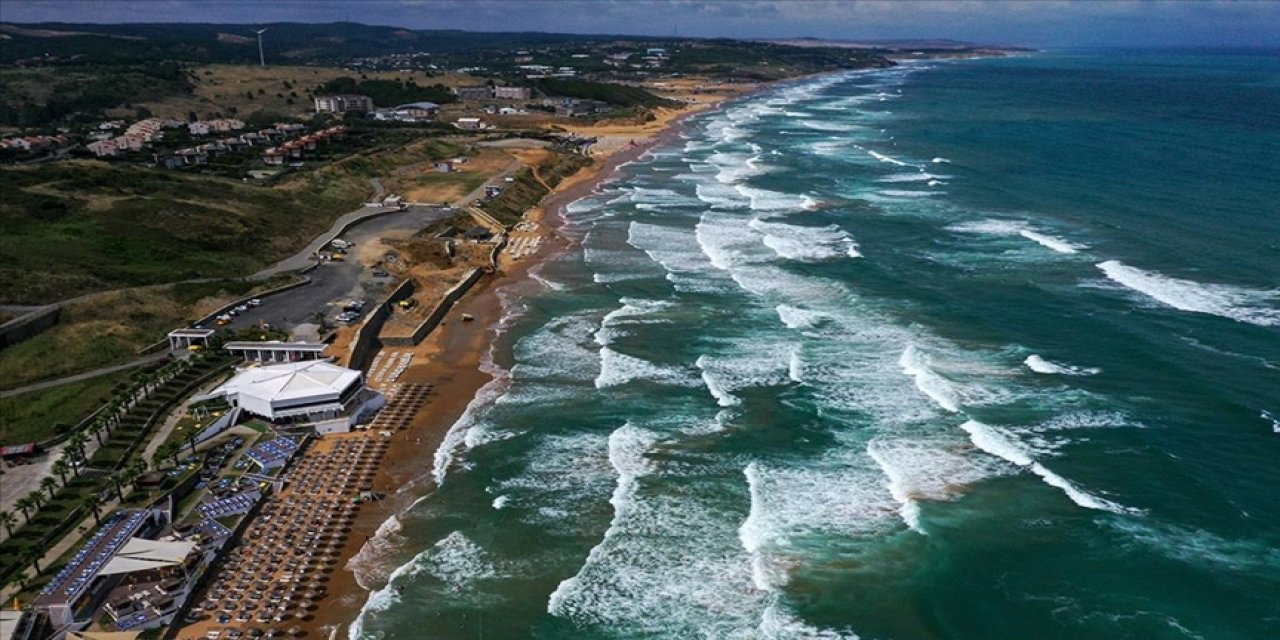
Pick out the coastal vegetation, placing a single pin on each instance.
(68, 497)
(43, 414)
(80, 226)
(615, 94)
(531, 184)
(389, 92)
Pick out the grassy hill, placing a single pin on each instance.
(205, 43)
(80, 226)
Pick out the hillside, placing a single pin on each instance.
(66, 43)
(79, 226)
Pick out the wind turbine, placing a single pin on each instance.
(262, 60)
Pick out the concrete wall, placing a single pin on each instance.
(29, 324)
(366, 343)
(161, 345)
(437, 315)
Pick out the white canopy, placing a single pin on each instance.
(139, 555)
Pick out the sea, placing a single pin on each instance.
(982, 348)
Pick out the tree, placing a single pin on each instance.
(142, 113)
(97, 427)
(117, 483)
(33, 557)
(75, 446)
(25, 505)
(61, 467)
(91, 502)
(8, 520)
(192, 117)
(50, 485)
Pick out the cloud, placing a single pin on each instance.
(1040, 22)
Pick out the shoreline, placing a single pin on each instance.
(457, 373)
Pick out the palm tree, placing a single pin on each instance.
(92, 502)
(61, 468)
(25, 505)
(76, 443)
(70, 458)
(8, 520)
(97, 427)
(117, 483)
(33, 557)
(37, 498)
(50, 485)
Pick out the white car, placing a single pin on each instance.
(255, 303)
(242, 308)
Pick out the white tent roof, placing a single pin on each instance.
(306, 379)
(139, 555)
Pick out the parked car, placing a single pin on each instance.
(255, 302)
(379, 273)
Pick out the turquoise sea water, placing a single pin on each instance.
(979, 349)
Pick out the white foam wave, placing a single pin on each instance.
(806, 244)
(668, 565)
(997, 443)
(1237, 303)
(777, 624)
(1273, 418)
(1040, 365)
(891, 160)
(723, 397)
(619, 368)
(750, 365)
(940, 160)
(1017, 228)
(767, 200)
(931, 469)
(790, 504)
(1056, 244)
(823, 125)
(919, 176)
(916, 365)
(725, 241)
(796, 318)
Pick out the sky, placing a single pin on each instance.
(1044, 23)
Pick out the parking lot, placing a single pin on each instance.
(334, 284)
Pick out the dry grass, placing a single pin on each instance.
(222, 86)
(420, 183)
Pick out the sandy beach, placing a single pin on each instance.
(450, 360)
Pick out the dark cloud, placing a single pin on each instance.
(1037, 22)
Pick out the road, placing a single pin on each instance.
(336, 282)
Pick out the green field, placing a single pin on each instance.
(35, 415)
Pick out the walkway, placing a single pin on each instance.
(58, 382)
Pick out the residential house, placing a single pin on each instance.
(103, 148)
(442, 166)
(343, 103)
(512, 93)
(470, 123)
(479, 92)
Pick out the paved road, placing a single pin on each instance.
(48, 384)
(336, 282)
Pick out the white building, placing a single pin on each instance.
(311, 392)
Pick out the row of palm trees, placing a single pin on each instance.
(75, 454)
